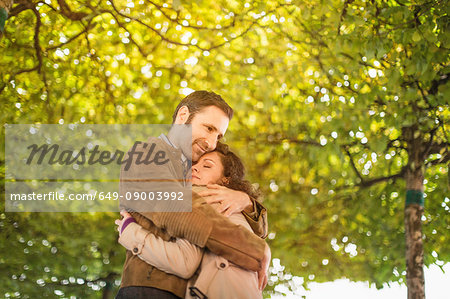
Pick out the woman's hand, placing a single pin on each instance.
(121, 222)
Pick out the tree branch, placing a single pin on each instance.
(436, 148)
(121, 25)
(444, 159)
(18, 9)
(296, 141)
(352, 58)
(68, 13)
(85, 30)
(430, 142)
(268, 140)
(186, 44)
(343, 14)
(151, 28)
(37, 45)
(374, 181)
(371, 182)
(176, 21)
(238, 36)
(436, 83)
(352, 163)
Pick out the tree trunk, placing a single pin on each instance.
(415, 279)
(107, 290)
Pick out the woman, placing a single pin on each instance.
(210, 275)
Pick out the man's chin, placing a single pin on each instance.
(196, 156)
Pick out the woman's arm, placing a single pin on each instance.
(180, 257)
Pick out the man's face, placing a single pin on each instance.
(208, 126)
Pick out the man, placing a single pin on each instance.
(209, 115)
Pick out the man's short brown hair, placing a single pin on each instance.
(200, 99)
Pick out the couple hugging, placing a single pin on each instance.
(215, 251)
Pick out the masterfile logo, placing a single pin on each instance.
(53, 155)
(77, 168)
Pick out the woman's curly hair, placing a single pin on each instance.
(234, 171)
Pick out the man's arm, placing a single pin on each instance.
(257, 219)
(205, 227)
(233, 201)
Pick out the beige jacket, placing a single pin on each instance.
(211, 276)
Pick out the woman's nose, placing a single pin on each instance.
(194, 168)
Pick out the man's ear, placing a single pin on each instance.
(182, 115)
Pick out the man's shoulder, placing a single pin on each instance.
(154, 144)
(162, 144)
(158, 142)
(155, 156)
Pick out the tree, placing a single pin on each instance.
(383, 51)
(340, 108)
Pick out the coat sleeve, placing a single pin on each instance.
(258, 219)
(180, 258)
(205, 227)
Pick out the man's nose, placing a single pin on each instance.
(211, 142)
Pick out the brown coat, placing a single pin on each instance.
(203, 226)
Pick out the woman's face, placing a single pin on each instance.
(208, 170)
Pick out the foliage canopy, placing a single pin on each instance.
(327, 96)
